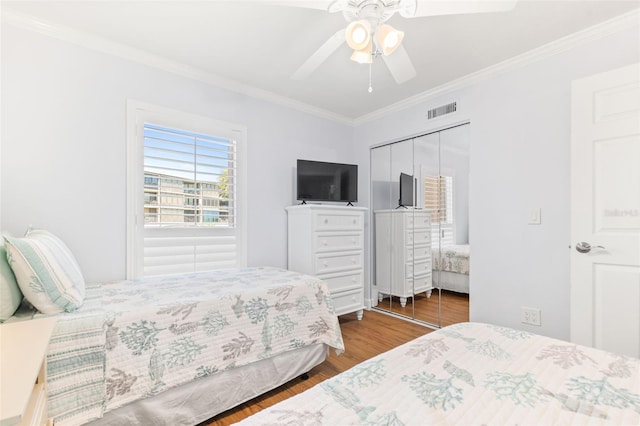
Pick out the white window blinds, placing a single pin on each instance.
(438, 200)
(187, 196)
(189, 179)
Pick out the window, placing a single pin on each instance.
(438, 200)
(185, 192)
(190, 171)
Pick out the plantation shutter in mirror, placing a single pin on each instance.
(438, 200)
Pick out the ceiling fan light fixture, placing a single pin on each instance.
(388, 38)
(408, 8)
(337, 6)
(363, 56)
(358, 34)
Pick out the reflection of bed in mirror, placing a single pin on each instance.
(451, 267)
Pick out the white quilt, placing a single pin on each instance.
(452, 258)
(473, 374)
(134, 339)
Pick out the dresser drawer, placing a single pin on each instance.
(418, 268)
(421, 252)
(343, 282)
(338, 221)
(418, 237)
(418, 221)
(348, 301)
(325, 241)
(421, 283)
(328, 263)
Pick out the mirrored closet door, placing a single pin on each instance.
(420, 242)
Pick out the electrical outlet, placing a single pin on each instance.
(531, 316)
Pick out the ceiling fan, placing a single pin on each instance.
(368, 34)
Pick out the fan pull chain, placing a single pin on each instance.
(370, 86)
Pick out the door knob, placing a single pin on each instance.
(583, 247)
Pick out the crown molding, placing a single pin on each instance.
(84, 39)
(598, 31)
(132, 54)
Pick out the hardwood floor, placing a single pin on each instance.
(376, 333)
(454, 308)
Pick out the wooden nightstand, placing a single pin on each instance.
(23, 355)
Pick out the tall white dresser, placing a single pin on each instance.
(403, 253)
(328, 242)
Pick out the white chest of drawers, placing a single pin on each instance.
(403, 253)
(328, 242)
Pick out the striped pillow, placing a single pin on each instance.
(10, 295)
(46, 271)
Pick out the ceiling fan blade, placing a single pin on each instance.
(400, 65)
(320, 55)
(451, 7)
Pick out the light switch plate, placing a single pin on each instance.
(535, 217)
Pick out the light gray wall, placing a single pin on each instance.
(64, 147)
(520, 139)
(63, 160)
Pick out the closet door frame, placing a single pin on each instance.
(372, 242)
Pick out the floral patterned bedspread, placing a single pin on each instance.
(152, 334)
(473, 374)
(454, 258)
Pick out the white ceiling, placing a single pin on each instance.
(260, 46)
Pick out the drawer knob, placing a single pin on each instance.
(353, 261)
(325, 263)
(326, 221)
(353, 280)
(324, 242)
(353, 241)
(355, 221)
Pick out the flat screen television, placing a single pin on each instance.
(321, 181)
(406, 190)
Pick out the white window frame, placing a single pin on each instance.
(139, 113)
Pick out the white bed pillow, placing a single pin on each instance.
(10, 295)
(46, 271)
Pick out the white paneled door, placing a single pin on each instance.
(605, 211)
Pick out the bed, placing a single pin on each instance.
(451, 268)
(180, 349)
(473, 374)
